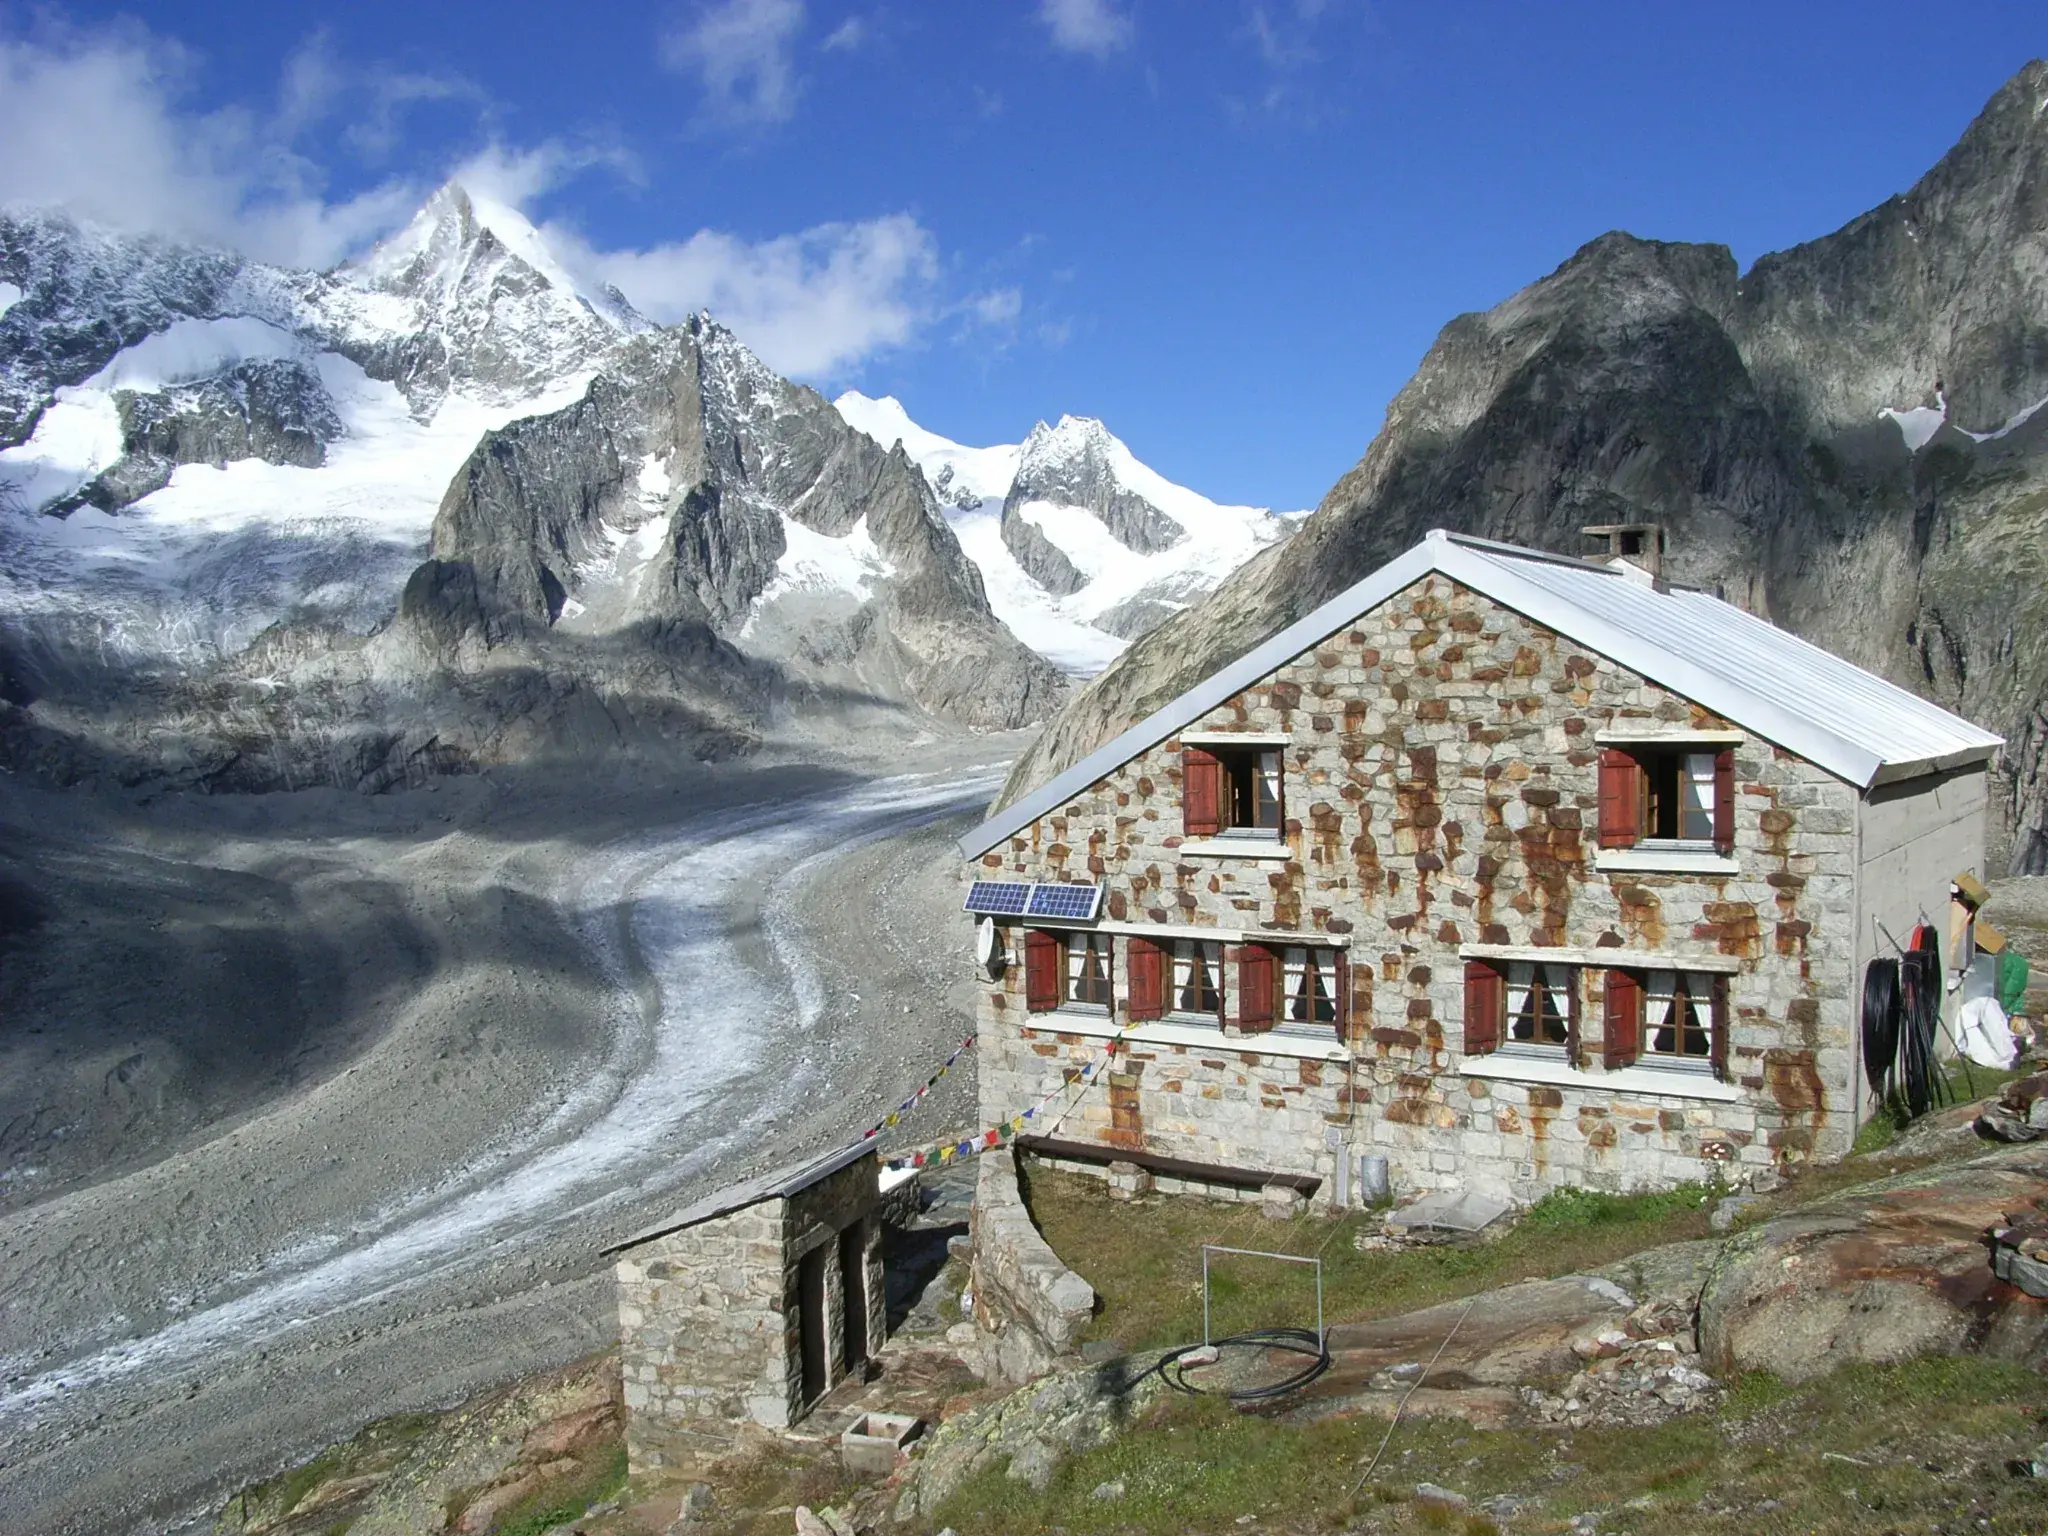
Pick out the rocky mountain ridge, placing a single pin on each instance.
(1848, 438)
(1081, 545)
(439, 507)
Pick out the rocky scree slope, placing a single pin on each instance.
(438, 507)
(1849, 439)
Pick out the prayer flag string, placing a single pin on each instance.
(895, 1116)
(1003, 1131)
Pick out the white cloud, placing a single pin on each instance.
(997, 308)
(741, 51)
(97, 123)
(847, 36)
(1094, 27)
(812, 304)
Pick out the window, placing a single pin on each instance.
(1232, 790)
(1668, 795)
(1673, 1019)
(1087, 974)
(1521, 1007)
(1197, 978)
(1308, 986)
(1066, 970)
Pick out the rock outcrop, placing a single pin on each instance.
(1881, 1273)
(1845, 438)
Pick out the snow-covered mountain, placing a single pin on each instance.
(1081, 547)
(442, 504)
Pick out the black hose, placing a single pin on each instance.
(1920, 1010)
(1881, 1024)
(1300, 1341)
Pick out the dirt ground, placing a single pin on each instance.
(315, 1109)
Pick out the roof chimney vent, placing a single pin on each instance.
(1640, 544)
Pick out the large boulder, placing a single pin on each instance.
(1883, 1272)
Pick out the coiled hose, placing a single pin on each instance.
(1172, 1368)
(1881, 1024)
(1920, 1019)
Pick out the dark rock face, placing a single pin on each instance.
(271, 410)
(1043, 561)
(540, 504)
(1649, 382)
(85, 296)
(1070, 466)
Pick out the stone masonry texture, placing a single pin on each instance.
(1441, 790)
(709, 1316)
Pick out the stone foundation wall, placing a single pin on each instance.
(1029, 1308)
(1442, 790)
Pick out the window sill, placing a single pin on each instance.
(1650, 1082)
(1200, 1037)
(1666, 858)
(1234, 848)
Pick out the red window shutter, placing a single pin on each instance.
(1147, 963)
(1717, 1040)
(1256, 980)
(1622, 1041)
(1201, 792)
(1486, 1003)
(1041, 970)
(1621, 778)
(1575, 986)
(1724, 800)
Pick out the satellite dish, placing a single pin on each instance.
(988, 950)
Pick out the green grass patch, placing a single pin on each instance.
(376, 1446)
(603, 1476)
(1144, 1256)
(1904, 1447)
(1962, 1083)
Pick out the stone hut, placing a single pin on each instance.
(751, 1304)
(1514, 869)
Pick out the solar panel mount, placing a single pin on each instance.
(1070, 901)
(998, 898)
(1014, 898)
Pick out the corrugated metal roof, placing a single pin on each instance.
(773, 1185)
(1796, 695)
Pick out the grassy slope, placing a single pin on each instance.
(1904, 1448)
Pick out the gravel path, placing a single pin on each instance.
(574, 1011)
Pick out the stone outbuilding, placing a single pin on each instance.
(751, 1304)
(1514, 869)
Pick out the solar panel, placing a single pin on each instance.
(1074, 901)
(997, 897)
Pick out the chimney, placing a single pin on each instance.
(1640, 544)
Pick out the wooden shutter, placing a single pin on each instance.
(1717, 1040)
(1201, 792)
(1041, 970)
(1621, 798)
(1257, 979)
(1622, 1024)
(1341, 988)
(1724, 800)
(1147, 963)
(1573, 987)
(1486, 1005)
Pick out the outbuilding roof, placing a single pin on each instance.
(1834, 714)
(789, 1179)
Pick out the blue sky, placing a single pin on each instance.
(1229, 229)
